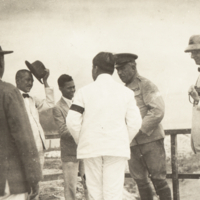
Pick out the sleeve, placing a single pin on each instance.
(60, 122)
(133, 118)
(46, 103)
(156, 109)
(21, 131)
(75, 116)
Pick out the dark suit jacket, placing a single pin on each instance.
(67, 143)
(19, 159)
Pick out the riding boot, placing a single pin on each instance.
(163, 190)
(144, 190)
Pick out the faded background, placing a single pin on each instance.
(66, 34)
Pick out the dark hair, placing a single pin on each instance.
(21, 72)
(105, 61)
(63, 79)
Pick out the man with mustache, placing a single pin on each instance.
(24, 82)
(149, 141)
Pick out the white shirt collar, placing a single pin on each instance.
(22, 92)
(104, 77)
(68, 101)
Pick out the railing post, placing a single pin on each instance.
(174, 162)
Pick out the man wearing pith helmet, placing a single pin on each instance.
(103, 120)
(194, 93)
(149, 141)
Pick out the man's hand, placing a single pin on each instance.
(193, 93)
(34, 190)
(139, 133)
(47, 72)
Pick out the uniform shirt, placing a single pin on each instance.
(152, 109)
(103, 119)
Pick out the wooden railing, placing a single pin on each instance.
(175, 176)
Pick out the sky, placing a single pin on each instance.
(65, 35)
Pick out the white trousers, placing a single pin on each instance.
(8, 196)
(105, 177)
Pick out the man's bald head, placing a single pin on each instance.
(24, 80)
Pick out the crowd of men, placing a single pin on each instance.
(102, 126)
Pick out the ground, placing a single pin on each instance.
(53, 190)
(188, 162)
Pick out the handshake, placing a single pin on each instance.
(194, 92)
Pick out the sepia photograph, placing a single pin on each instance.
(99, 100)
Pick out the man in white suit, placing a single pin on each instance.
(24, 82)
(103, 120)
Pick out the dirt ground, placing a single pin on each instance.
(54, 190)
(188, 189)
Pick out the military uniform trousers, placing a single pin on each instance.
(154, 156)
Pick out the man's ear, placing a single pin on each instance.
(17, 81)
(96, 67)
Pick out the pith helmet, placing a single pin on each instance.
(194, 43)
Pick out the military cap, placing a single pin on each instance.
(105, 61)
(194, 43)
(123, 58)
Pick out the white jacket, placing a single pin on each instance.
(109, 122)
(33, 108)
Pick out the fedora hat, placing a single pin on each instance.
(194, 43)
(4, 52)
(37, 68)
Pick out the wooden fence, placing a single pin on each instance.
(175, 176)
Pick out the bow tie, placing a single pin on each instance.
(25, 95)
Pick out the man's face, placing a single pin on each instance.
(196, 56)
(25, 83)
(126, 72)
(68, 90)
(1, 65)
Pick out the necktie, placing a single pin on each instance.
(25, 95)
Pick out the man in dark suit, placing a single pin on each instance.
(70, 163)
(20, 169)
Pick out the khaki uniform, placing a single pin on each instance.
(152, 108)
